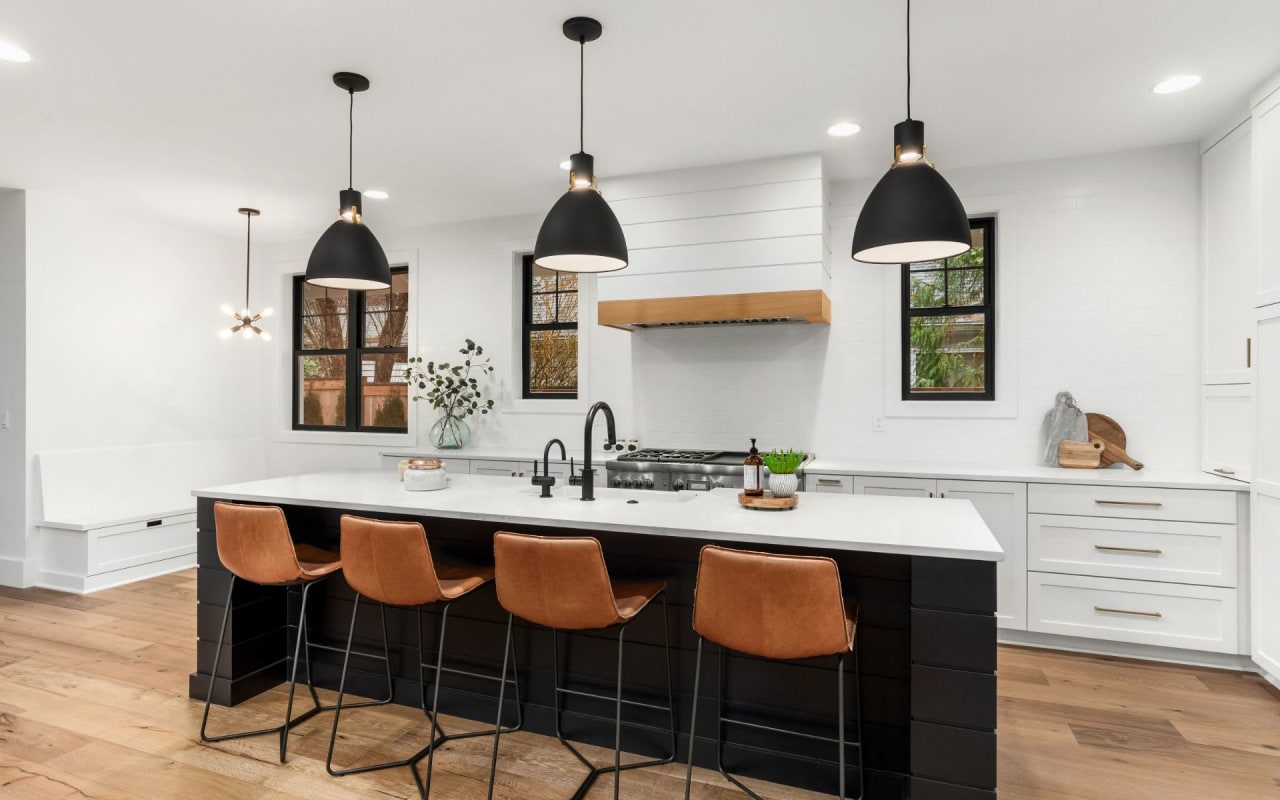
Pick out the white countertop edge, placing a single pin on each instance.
(718, 506)
(496, 454)
(1111, 476)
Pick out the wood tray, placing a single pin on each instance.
(768, 502)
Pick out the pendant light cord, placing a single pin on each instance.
(351, 135)
(582, 93)
(248, 233)
(908, 59)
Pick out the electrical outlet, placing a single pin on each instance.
(877, 423)
(4, 420)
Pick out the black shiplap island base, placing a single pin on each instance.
(922, 573)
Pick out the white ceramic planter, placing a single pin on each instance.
(783, 485)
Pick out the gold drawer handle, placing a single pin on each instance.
(1224, 471)
(830, 482)
(1102, 610)
(1144, 504)
(1148, 550)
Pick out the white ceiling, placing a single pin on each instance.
(190, 110)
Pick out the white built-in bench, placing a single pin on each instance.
(118, 515)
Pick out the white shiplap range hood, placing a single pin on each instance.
(736, 244)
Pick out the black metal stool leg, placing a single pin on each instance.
(217, 657)
(507, 650)
(693, 719)
(840, 718)
(342, 686)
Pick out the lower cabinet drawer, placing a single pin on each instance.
(835, 484)
(1178, 552)
(1142, 612)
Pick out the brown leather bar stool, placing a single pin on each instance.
(562, 583)
(254, 544)
(777, 607)
(391, 564)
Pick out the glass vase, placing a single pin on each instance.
(450, 433)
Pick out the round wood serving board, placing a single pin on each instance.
(768, 502)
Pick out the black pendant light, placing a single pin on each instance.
(246, 321)
(580, 233)
(912, 214)
(348, 255)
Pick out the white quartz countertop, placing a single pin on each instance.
(1116, 475)
(525, 454)
(902, 525)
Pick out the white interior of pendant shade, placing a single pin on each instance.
(359, 284)
(910, 252)
(580, 262)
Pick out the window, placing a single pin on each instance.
(550, 336)
(350, 351)
(948, 323)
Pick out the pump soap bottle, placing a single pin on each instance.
(753, 473)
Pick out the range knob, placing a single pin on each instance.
(648, 483)
(678, 485)
(717, 485)
(617, 481)
(630, 483)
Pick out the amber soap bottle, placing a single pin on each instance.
(753, 473)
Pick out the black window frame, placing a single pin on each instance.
(529, 327)
(987, 309)
(353, 352)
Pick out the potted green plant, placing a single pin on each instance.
(451, 388)
(782, 471)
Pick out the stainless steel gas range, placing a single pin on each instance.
(676, 470)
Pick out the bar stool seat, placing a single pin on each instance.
(776, 607)
(562, 583)
(391, 563)
(255, 545)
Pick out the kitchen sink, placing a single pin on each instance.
(635, 496)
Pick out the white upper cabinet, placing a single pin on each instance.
(1230, 257)
(1266, 194)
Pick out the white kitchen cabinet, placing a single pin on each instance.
(508, 469)
(1265, 528)
(1003, 507)
(832, 484)
(1266, 195)
(896, 487)
(1227, 430)
(1230, 246)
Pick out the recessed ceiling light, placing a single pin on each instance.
(844, 129)
(11, 52)
(1178, 83)
(376, 194)
(564, 165)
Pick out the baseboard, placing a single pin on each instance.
(17, 572)
(85, 584)
(1142, 652)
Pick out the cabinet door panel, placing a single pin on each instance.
(1230, 257)
(1003, 507)
(897, 487)
(1266, 198)
(1227, 430)
(507, 469)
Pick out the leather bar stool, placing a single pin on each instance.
(562, 583)
(391, 564)
(255, 546)
(776, 607)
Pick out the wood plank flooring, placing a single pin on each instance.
(93, 705)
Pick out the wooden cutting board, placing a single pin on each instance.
(1080, 455)
(1109, 432)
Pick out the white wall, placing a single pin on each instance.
(1101, 257)
(13, 386)
(121, 334)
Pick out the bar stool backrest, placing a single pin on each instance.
(254, 543)
(554, 581)
(389, 562)
(771, 606)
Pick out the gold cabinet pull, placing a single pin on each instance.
(1103, 610)
(1143, 503)
(1248, 352)
(1224, 471)
(830, 482)
(1147, 550)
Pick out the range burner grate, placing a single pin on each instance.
(670, 456)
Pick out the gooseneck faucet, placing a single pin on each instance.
(588, 476)
(546, 480)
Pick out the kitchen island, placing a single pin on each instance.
(922, 572)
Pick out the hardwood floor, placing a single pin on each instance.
(93, 704)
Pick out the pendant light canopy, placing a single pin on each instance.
(347, 255)
(581, 233)
(912, 214)
(246, 321)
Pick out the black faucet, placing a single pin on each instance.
(589, 475)
(546, 480)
